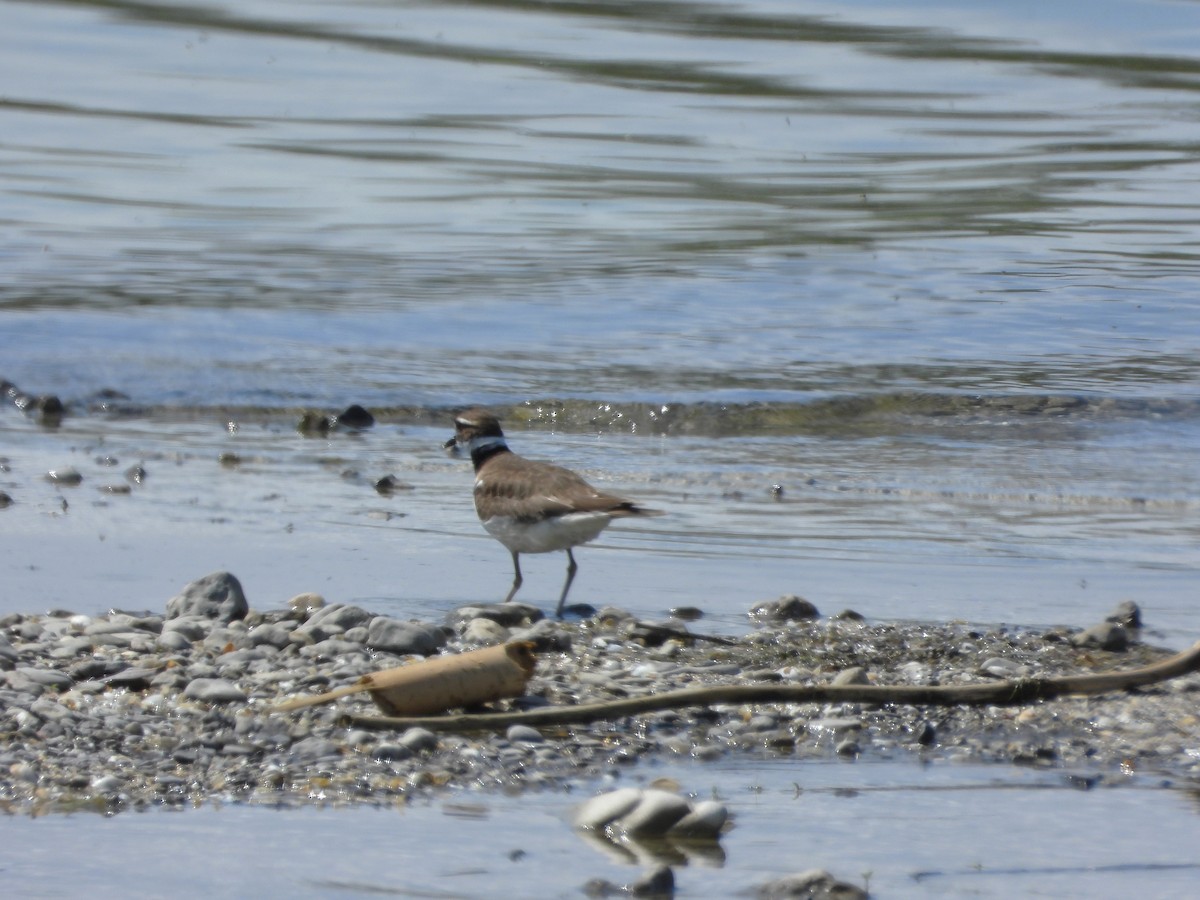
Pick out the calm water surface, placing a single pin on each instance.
(898, 830)
(932, 270)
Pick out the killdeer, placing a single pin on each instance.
(531, 506)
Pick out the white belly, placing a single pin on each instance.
(557, 533)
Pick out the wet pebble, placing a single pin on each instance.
(67, 475)
(597, 812)
(404, 638)
(704, 820)
(185, 702)
(523, 734)
(658, 882)
(419, 740)
(650, 812)
(853, 675)
(214, 690)
(218, 596)
(1105, 636)
(814, 884)
(789, 608)
(391, 751)
(484, 631)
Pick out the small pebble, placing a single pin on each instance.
(182, 704)
(419, 740)
(523, 734)
(213, 690)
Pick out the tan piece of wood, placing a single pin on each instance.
(443, 682)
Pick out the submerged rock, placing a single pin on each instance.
(788, 608)
(1127, 614)
(658, 882)
(815, 884)
(355, 418)
(651, 812)
(66, 475)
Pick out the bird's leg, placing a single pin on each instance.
(517, 579)
(572, 568)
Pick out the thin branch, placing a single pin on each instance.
(999, 693)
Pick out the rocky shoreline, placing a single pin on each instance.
(132, 710)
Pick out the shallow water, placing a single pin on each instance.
(903, 831)
(930, 270)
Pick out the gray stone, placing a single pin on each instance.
(8, 653)
(658, 882)
(853, 675)
(311, 749)
(788, 608)
(597, 812)
(835, 726)
(138, 622)
(704, 821)
(194, 628)
(815, 884)
(68, 475)
(484, 631)
(174, 641)
(655, 813)
(213, 690)
(341, 615)
(404, 638)
(391, 751)
(107, 626)
(49, 710)
(546, 635)
(848, 748)
(999, 667)
(44, 677)
(107, 784)
(1126, 614)
(1105, 636)
(510, 615)
(332, 648)
(523, 734)
(419, 740)
(304, 605)
(315, 634)
(217, 596)
(270, 634)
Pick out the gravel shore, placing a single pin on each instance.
(139, 709)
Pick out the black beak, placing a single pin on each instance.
(451, 446)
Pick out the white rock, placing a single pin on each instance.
(654, 815)
(523, 734)
(599, 811)
(418, 739)
(107, 784)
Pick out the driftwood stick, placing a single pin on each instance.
(999, 693)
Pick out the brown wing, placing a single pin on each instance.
(529, 489)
